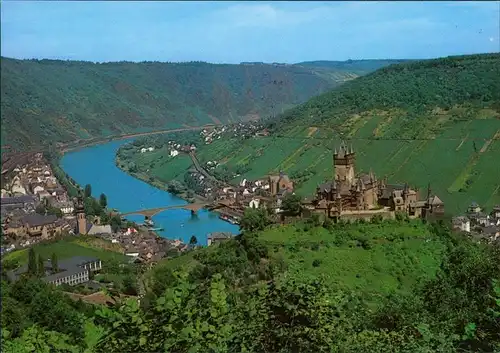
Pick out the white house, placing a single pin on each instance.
(5, 193)
(43, 195)
(462, 224)
(132, 254)
(38, 189)
(17, 187)
(151, 149)
(66, 207)
(254, 203)
(143, 150)
(496, 212)
(174, 153)
(243, 182)
(99, 229)
(246, 192)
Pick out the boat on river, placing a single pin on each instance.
(229, 219)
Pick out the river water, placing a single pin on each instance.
(96, 166)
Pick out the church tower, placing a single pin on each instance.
(343, 162)
(80, 216)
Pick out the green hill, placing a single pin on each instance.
(434, 121)
(59, 101)
(392, 286)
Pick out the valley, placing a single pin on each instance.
(396, 122)
(64, 101)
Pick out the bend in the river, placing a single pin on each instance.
(96, 166)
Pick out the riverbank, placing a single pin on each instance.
(158, 184)
(96, 165)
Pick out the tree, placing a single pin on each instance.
(132, 168)
(129, 286)
(254, 219)
(292, 204)
(32, 265)
(40, 209)
(55, 211)
(41, 266)
(193, 240)
(175, 187)
(88, 190)
(116, 223)
(103, 201)
(55, 265)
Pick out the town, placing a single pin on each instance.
(36, 207)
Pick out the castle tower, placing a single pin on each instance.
(343, 162)
(80, 216)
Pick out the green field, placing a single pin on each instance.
(393, 259)
(67, 248)
(440, 124)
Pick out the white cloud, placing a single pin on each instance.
(265, 15)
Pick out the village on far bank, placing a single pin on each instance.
(40, 203)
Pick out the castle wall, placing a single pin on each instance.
(366, 215)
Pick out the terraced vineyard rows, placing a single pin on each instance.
(457, 172)
(435, 121)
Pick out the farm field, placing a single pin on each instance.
(67, 248)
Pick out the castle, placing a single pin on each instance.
(362, 196)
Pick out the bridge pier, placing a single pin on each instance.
(193, 212)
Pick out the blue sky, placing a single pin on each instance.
(231, 32)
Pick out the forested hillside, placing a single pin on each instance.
(391, 286)
(59, 101)
(435, 121)
(352, 66)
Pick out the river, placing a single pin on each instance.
(96, 166)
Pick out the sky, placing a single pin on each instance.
(232, 32)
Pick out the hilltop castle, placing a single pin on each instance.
(362, 196)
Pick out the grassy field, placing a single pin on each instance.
(375, 259)
(69, 247)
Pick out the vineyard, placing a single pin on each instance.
(405, 134)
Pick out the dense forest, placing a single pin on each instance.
(59, 101)
(416, 87)
(389, 286)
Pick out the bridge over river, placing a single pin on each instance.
(193, 207)
(150, 212)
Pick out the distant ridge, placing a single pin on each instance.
(44, 101)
